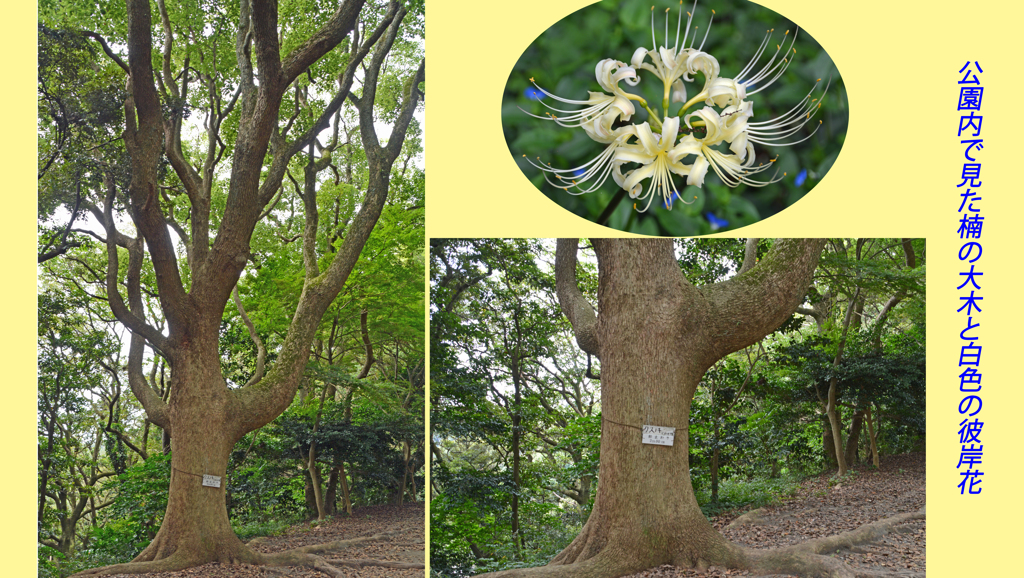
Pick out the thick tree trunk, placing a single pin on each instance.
(195, 526)
(645, 512)
(656, 336)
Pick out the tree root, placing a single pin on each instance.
(751, 518)
(604, 565)
(362, 563)
(337, 544)
(807, 560)
(309, 556)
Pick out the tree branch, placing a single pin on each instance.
(261, 350)
(749, 306)
(577, 309)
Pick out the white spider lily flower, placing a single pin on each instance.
(773, 132)
(734, 128)
(723, 92)
(652, 151)
(678, 62)
(678, 91)
(610, 72)
(771, 70)
(595, 171)
(670, 66)
(719, 137)
(732, 169)
(613, 106)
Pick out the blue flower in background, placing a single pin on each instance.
(716, 223)
(674, 195)
(533, 94)
(801, 178)
(579, 173)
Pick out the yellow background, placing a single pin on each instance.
(896, 176)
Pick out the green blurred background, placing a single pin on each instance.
(562, 61)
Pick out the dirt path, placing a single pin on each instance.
(407, 546)
(820, 509)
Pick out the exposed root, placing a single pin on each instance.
(357, 563)
(309, 556)
(309, 561)
(809, 559)
(332, 546)
(601, 566)
(303, 556)
(751, 518)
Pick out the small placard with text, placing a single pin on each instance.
(659, 435)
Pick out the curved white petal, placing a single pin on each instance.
(698, 169)
(678, 91)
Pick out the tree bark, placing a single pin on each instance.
(195, 527)
(331, 499)
(871, 436)
(853, 440)
(345, 498)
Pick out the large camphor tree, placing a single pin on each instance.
(656, 334)
(222, 100)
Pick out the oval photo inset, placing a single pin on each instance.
(676, 119)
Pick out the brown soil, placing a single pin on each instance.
(407, 546)
(822, 509)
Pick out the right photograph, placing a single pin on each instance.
(677, 407)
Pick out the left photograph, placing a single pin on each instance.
(231, 356)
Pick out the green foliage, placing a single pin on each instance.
(52, 563)
(262, 484)
(502, 364)
(138, 508)
(273, 527)
(754, 492)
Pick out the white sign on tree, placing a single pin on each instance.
(659, 435)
